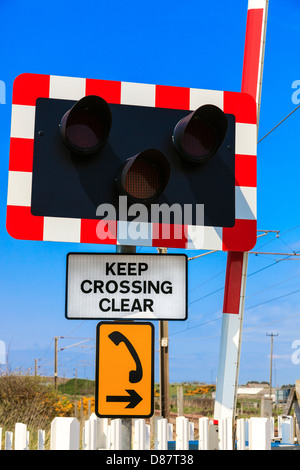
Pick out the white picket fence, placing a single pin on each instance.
(106, 434)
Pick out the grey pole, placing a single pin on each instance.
(126, 422)
(271, 359)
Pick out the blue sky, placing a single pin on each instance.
(199, 45)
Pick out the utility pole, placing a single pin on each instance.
(55, 361)
(35, 367)
(271, 358)
(75, 387)
(56, 353)
(164, 368)
(164, 361)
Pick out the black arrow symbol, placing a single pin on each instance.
(134, 398)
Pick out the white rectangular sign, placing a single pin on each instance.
(126, 286)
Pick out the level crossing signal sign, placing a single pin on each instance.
(106, 162)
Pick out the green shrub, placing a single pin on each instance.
(28, 400)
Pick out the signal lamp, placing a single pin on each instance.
(144, 176)
(198, 136)
(85, 127)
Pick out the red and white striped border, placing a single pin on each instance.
(21, 224)
(254, 48)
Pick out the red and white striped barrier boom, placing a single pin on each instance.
(237, 261)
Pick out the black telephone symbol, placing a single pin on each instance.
(134, 375)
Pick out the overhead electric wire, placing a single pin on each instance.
(274, 298)
(206, 295)
(248, 308)
(46, 352)
(196, 326)
(272, 286)
(271, 322)
(207, 280)
(76, 344)
(279, 124)
(249, 275)
(269, 266)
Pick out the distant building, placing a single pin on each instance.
(281, 395)
(254, 390)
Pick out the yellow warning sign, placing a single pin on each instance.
(124, 369)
